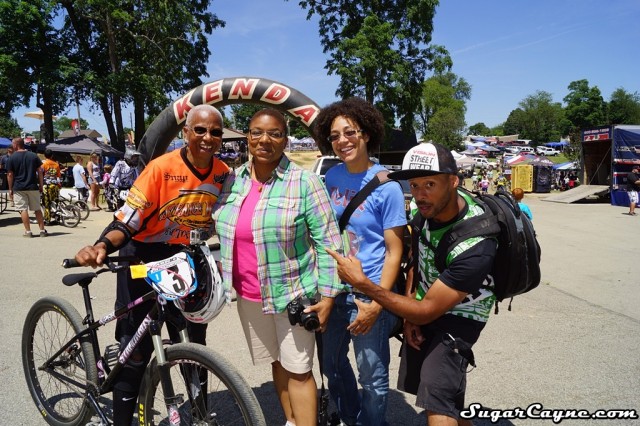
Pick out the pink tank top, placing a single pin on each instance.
(245, 261)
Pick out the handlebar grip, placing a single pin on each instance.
(70, 263)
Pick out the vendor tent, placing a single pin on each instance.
(83, 145)
(5, 143)
(569, 165)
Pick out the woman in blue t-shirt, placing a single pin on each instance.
(354, 129)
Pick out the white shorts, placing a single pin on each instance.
(272, 338)
(633, 196)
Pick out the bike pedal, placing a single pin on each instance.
(111, 353)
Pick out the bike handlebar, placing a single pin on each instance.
(70, 263)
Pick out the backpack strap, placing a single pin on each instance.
(379, 179)
(484, 225)
(416, 228)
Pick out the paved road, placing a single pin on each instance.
(570, 344)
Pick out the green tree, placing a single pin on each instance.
(9, 127)
(443, 90)
(442, 108)
(446, 126)
(585, 108)
(538, 118)
(381, 51)
(624, 107)
(479, 129)
(143, 52)
(33, 60)
(63, 124)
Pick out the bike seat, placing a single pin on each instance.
(73, 279)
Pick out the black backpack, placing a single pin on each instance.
(516, 267)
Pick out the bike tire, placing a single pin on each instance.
(59, 391)
(230, 399)
(69, 215)
(84, 209)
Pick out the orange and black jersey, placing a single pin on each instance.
(171, 197)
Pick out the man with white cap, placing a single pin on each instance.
(448, 309)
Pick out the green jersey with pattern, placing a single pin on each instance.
(476, 306)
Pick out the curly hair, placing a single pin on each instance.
(364, 114)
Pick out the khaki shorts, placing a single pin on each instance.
(27, 200)
(272, 338)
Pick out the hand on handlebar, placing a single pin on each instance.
(93, 256)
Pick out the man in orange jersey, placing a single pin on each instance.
(173, 196)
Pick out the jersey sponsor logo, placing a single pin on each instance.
(137, 199)
(169, 177)
(191, 209)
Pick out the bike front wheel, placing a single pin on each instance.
(58, 386)
(69, 215)
(212, 391)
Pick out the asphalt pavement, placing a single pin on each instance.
(571, 344)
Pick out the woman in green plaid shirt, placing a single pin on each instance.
(274, 220)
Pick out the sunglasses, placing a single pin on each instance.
(201, 131)
(335, 137)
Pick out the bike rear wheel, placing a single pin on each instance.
(83, 208)
(59, 389)
(196, 371)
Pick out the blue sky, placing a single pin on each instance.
(505, 49)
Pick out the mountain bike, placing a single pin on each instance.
(184, 383)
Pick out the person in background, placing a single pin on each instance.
(24, 175)
(52, 183)
(145, 231)
(5, 158)
(80, 182)
(354, 129)
(274, 220)
(109, 192)
(3, 167)
(125, 172)
(633, 185)
(93, 178)
(446, 313)
(518, 194)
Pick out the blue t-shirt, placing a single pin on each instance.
(525, 209)
(383, 209)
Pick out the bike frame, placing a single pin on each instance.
(106, 375)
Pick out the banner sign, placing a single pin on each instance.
(223, 92)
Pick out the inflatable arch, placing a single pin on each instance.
(220, 93)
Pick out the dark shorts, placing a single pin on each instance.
(437, 374)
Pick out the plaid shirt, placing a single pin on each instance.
(292, 223)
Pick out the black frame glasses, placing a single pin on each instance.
(201, 131)
(271, 134)
(349, 134)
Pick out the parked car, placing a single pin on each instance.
(526, 150)
(547, 150)
(323, 164)
(481, 162)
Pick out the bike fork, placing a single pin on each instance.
(171, 400)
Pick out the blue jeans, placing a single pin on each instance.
(372, 359)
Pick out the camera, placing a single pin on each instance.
(295, 308)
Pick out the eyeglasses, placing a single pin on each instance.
(272, 134)
(201, 131)
(335, 137)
